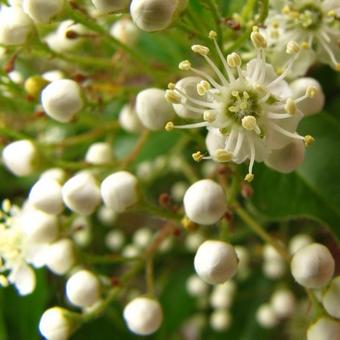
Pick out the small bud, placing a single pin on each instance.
(99, 153)
(142, 238)
(143, 315)
(42, 11)
(125, 31)
(222, 295)
(324, 328)
(266, 316)
(234, 60)
(331, 298)
(33, 85)
(205, 202)
(220, 320)
(298, 242)
(128, 119)
(196, 287)
(283, 303)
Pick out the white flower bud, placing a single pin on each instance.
(178, 191)
(243, 257)
(83, 289)
(313, 266)
(107, 216)
(81, 194)
(195, 286)
(215, 262)
(143, 316)
(193, 241)
(205, 202)
(19, 157)
(99, 153)
(331, 298)
(266, 316)
(274, 269)
(125, 31)
(130, 251)
(42, 11)
(270, 253)
(119, 191)
(60, 257)
(283, 303)
(55, 325)
(308, 106)
(55, 174)
(46, 195)
(220, 320)
(288, 158)
(222, 295)
(15, 26)
(114, 240)
(81, 231)
(324, 328)
(155, 15)
(152, 108)
(106, 6)
(129, 120)
(299, 241)
(53, 75)
(187, 85)
(62, 99)
(142, 237)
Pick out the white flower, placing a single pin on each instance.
(324, 328)
(331, 298)
(111, 5)
(250, 111)
(125, 31)
(99, 153)
(143, 316)
(15, 26)
(19, 157)
(312, 24)
(42, 11)
(62, 99)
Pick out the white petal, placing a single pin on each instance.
(23, 277)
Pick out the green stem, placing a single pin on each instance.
(248, 9)
(263, 10)
(216, 14)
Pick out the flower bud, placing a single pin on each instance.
(143, 316)
(15, 26)
(60, 257)
(81, 194)
(114, 240)
(215, 262)
(308, 106)
(205, 202)
(266, 316)
(119, 191)
(106, 6)
(155, 15)
(19, 157)
(324, 328)
(142, 237)
(62, 99)
(299, 241)
(152, 108)
(125, 31)
(56, 174)
(130, 251)
(129, 120)
(220, 320)
(313, 266)
(42, 11)
(83, 289)
(283, 303)
(222, 295)
(196, 287)
(55, 324)
(99, 153)
(331, 298)
(193, 241)
(46, 195)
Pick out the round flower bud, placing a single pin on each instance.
(324, 328)
(115, 240)
(142, 237)
(107, 6)
(19, 157)
(119, 191)
(83, 289)
(288, 158)
(222, 295)
(55, 174)
(193, 241)
(308, 106)
(188, 85)
(215, 262)
(331, 298)
(155, 15)
(60, 257)
(195, 286)
(55, 324)
(125, 31)
(274, 269)
(220, 320)
(62, 99)
(46, 195)
(107, 216)
(283, 303)
(205, 202)
(130, 251)
(266, 316)
(143, 316)
(129, 120)
(299, 241)
(99, 153)
(81, 194)
(313, 266)
(42, 11)
(15, 26)
(81, 231)
(152, 108)
(243, 265)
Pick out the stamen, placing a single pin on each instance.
(172, 97)
(169, 126)
(209, 116)
(271, 115)
(196, 101)
(239, 142)
(208, 77)
(222, 156)
(290, 106)
(293, 47)
(309, 140)
(286, 133)
(249, 177)
(197, 156)
(203, 87)
(185, 65)
(331, 54)
(200, 49)
(216, 70)
(311, 91)
(258, 40)
(234, 60)
(249, 123)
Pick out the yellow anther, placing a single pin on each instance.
(234, 60)
(233, 108)
(200, 49)
(290, 106)
(331, 13)
(209, 116)
(309, 140)
(3, 281)
(197, 156)
(305, 45)
(6, 205)
(258, 40)
(255, 29)
(212, 35)
(188, 224)
(250, 123)
(286, 10)
(249, 178)
(172, 97)
(293, 47)
(203, 87)
(246, 95)
(222, 156)
(169, 126)
(311, 91)
(275, 24)
(260, 88)
(337, 67)
(235, 93)
(185, 65)
(171, 86)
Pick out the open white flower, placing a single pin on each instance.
(314, 24)
(249, 112)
